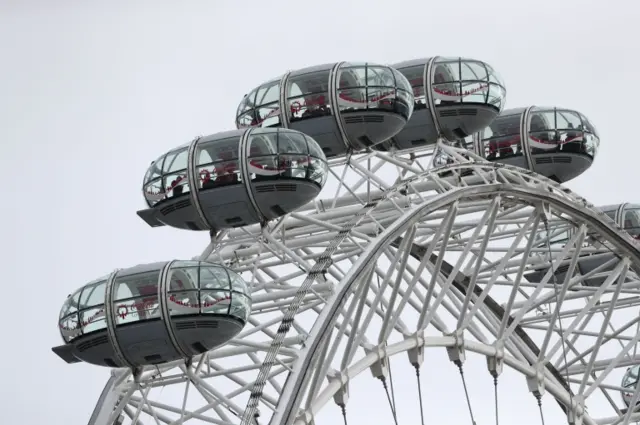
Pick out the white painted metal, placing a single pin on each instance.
(438, 259)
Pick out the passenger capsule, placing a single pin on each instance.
(454, 98)
(344, 106)
(241, 177)
(152, 314)
(558, 143)
(629, 383)
(625, 216)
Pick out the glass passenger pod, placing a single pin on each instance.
(624, 216)
(241, 177)
(153, 314)
(454, 98)
(343, 106)
(557, 143)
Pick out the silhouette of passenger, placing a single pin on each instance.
(176, 186)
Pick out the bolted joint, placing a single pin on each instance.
(379, 368)
(416, 354)
(341, 396)
(495, 363)
(456, 353)
(575, 412)
(535, 383)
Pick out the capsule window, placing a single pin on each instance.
(247, 104)
(183, 289)
(155, 170)
(70, 305)
(93, 295)
(292, 143)
(630, 379)
(268, 105)
(502, 138)
(237, 283)
(240, 306)
(308, 95)
(631, 221)
(215, 302)
(136, 297)
(217, 163)
(496, 96)
(69, 317)
(473, 71)
(315, 150)
(212, 277)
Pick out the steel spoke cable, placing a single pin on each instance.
(466, 391)
(495, 396)
(539, 400)
(391, 406)
(393, 393)
(420, 394)
(344, 413)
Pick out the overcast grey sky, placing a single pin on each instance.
(92, 91)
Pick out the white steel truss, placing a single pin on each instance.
(412, 252)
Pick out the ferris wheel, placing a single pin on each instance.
(386, 245)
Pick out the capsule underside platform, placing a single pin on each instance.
(455, 122)
(560, 166)
(196, 335)
(229, 206)
(366, 128)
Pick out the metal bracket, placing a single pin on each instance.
(341, 397)
(535, 383)
(495, 363)
(380, 368)
(456, 353)
(416, 354)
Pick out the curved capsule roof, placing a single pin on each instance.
(153, 313)
(454, 98)
(234, 178)
(343, 106)
(556, 142)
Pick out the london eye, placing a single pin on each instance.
(376, 231)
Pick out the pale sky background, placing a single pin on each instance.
(92, 91)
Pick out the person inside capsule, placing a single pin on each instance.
(314, 103)
(505, 137)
